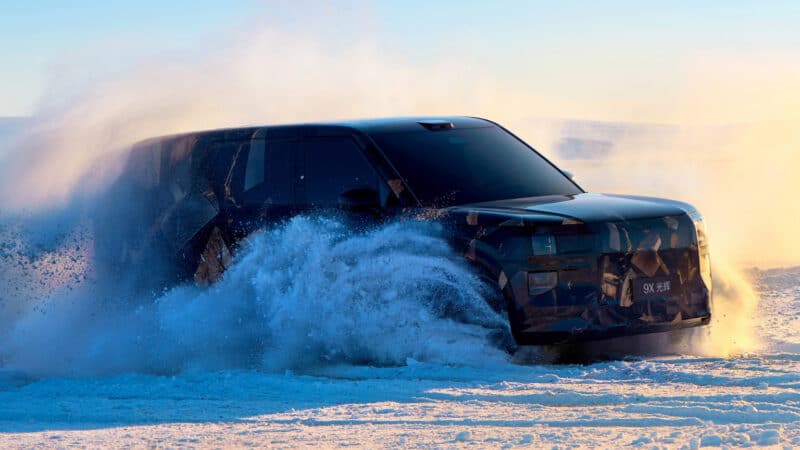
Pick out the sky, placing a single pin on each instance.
(603, 60)
(98, 76)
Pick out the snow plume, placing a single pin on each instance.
(737, 176)
(38, 260)
(734, 322)
(731, 151)
(308, 293)
(73, 145)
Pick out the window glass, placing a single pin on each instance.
(471, 165)
(332, 167)
(218, 162)
(227, 172)
(268, 178)
(254, 175)
(280, 172)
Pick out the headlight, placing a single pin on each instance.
(702, 249)
(541, 282)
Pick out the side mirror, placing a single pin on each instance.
(359, 199)
(568, 174)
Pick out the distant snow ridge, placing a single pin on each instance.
(308, 293)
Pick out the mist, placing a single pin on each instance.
(73, 145)
(730, 151)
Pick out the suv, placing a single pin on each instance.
(565, 264)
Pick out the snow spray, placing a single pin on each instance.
(304, 294)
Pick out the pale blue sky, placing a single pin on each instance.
(591, 50)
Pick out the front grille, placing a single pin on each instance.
(655, 249)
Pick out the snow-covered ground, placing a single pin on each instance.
(676, 401)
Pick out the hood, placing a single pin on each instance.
(584, 207)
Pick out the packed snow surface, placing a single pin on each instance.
(292, 348)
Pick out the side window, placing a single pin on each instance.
(228, 161)
(333, 166)
(254, 174)
(280, 172)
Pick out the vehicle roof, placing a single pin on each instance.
(333, 128)
(407, 124)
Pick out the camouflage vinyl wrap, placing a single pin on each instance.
(604, 265)
(613, 278)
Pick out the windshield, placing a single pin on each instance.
(459, 166)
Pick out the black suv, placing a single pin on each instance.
(566, 264)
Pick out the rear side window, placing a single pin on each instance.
(331, 167)
(228, 172)
(279, 171)
(254, 174)
(268, 176)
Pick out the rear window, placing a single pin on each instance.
(459, 166)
